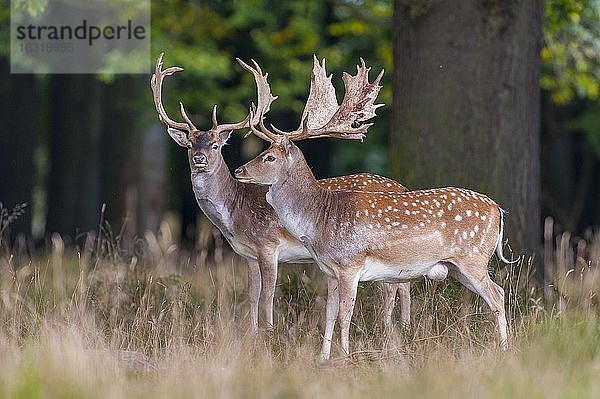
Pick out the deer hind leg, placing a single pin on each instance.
(331, 313)
(404, 292)
(492, 293)
(268, 273)
(254, 290)
(389, 301)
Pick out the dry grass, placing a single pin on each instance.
(94, 323)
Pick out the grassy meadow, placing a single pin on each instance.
(93, 322)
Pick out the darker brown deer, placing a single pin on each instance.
(385, 236)
(240, 210)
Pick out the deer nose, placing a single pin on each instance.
(239, 171)
(199, 159)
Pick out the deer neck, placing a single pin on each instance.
(214, 193)
(296, 197)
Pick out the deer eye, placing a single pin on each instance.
(215, 146)
(269, 158)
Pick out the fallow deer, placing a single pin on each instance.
(241, 212)
(385, 236)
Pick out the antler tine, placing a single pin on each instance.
(156, 83)
(264, 96)
(263, 133)
(264, 101)
(215, 125)
(323, 117)
(228, 126)
(184, 114)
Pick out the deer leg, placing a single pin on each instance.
(254, 288)
(389, 298)
(492, 294)
(347, 287)
(389, 301)
(501, 314)
(268, 273)
(331, 313)
(404, 292)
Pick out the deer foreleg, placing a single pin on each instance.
(347, 287)
(331, 313)
(268, 272)
(254, 288)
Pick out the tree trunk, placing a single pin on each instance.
(467, 103)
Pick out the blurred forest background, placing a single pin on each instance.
(498, 96)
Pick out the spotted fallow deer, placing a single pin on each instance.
(386, 236)
(241, 212)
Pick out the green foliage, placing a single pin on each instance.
(31, 7)
(571, 51)
(571, 60)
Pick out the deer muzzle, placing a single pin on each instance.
(199, 161)
(242, 175)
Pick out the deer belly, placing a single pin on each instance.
(377, 270)
(290, 253)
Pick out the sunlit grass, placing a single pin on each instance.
(95, 323)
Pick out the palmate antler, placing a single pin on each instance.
(323, 117)
(261, 108)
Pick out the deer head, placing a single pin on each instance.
(322, 117)
(271, 165)
(204, 147)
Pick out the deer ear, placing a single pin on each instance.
(224, 136)
(180, 137)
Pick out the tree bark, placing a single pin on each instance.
(467, 103)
